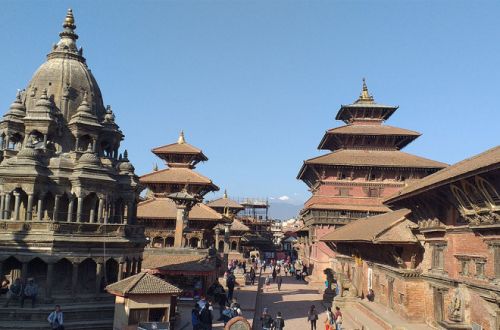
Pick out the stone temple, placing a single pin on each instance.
(68, 199)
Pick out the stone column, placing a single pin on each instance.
(92, 212)
(179, 226)
(99, 210)
(128, 268)
(70, 209)
(139, 266)
(2, 204)
(24, 270)
(48, 283)
(79, 208)
(217, 232)
(17, 202)
(99, 271)
(57, 199)
(134, 267)
(39, 213)
(120, 271)
(74, 279)
(6, 211)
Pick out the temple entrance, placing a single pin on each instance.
(234, 246)
(63, 272)
(169, 241)
(111, 271)
(193, 242)
(12, 269)
(87, 276)
(438, 305)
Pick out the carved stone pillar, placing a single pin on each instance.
(100, 210)
(120, 271)
(24, 270)
(57, 200)
(6, 211)
(74, 279)
(2, 204)
(128, 268)
(79, 208)
(134, 267)
(70, 209)
(39, 213)
(179, 226)
(99, 277)
(92, 212)
(48, 283)
(17, 202)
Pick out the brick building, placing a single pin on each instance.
(436, 257)
(365, 165)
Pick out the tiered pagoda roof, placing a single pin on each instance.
(225, 203)
(164, 208)
(364, 154)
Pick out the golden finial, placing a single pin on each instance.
(181, 139)
(69, 21)
(365, 95)
(155, 167)
(225, 193)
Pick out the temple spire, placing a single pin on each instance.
(181, 139)
(365, 95)
(225, 193)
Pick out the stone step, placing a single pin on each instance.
(68, 324)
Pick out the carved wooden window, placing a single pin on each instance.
(480, 267)
(438, 257)
(465, 267)
(344, 192)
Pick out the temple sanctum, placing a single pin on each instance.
(67, 196)
(364, 165)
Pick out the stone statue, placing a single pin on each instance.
(413, 261)
(399, 261)
(455, 307)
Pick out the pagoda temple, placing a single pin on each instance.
(159, 212)
(67, 198)
(365, 164)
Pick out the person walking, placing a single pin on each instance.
(30, 292)
(206, 317)
(195, 317)
(266, 320)
(330, 319)
(274, 274)
(338, 318)
(279, 323)
(279, 281)
(268, 282)
(15, 292)
(56, 319)
(252, 276)
(230, 282)
(312, 317)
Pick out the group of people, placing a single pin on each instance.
(333, 319)
(20, 290)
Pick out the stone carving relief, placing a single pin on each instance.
(455, 308)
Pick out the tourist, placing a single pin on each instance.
(330, 319)
(5, 286)
(304, 272)
(285, 268)
(55, 319)
(266, 320)
(30, 292)
(227, 314)
(206, 317)
(338, 318)
(230, 282)
(268, 282)
(371, 295)
(235, 307)
(279, 323)
(274, 274)
(312, 317)
(280, 280)
(252, 276)
(195, 317)
(15, 291)
(202, 302)
(222, 301)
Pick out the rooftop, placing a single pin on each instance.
(391, 227)
(178, 263)
(480, 163)
(225, 202)
(142, 283)
(177, 175)
(164, 208)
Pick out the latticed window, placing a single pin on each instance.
(438, 257)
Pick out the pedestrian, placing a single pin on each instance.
(280, 280)
(330, 319)
(274, 274)
(266, 320)
(15, 292)
(30, 292)
(338, 318)
(235, 307)
(279, 323)
(222, 301)
(285, 268)
(56, 319)
(312, 317)
(227, 314)
(252, 276)
(5, 286)
(195, 317)
(268, 282)
(202, 302)
(206, 317)
(230, 282)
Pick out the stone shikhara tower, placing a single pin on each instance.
(67, 198)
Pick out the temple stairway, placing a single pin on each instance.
(374, 316)
(84, 314)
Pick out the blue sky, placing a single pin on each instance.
(256, 83)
